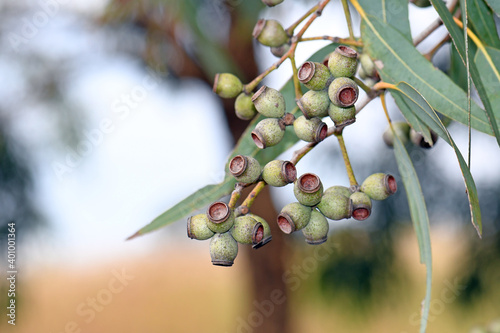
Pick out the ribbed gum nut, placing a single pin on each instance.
(313, 75)
(247, 230)
(316, 231)
(223, 249)
(335, 205)
(272, 3)
(343, 62)
(343, 92)
(269, 102)
(379, 186)
(267, 231)
(293, 217)
(245, 169)
(279, 173)
(220, 217)
(402, 130)
(367, 65)
(197, 227)
(419, 140)
(279, 51)
(342, 116)
(308, 189)
(361, 206)
(268, 132)
(269, 33)
(310, 130)
(227, 85)
(314, 103)
(243, 107)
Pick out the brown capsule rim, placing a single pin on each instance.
(306, 72)
(216, 82)
(238, 165)
(257, 233)
(259, 26)
(346, 51)
(225, 263)
(346, 122)
(309, 183)
(263, 242)
(321, 132)
(301, 107)
(342, 98)
(361, 212)
(288, 171)
(258, 139)
(189, 233)
(390, 184)
(312, 241)
(285, 223)
(218, 212)
(258, 93)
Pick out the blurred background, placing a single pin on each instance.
(107, 119)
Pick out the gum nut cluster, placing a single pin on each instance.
(405, 134)
(225, 231)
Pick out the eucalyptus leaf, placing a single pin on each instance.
(488, 65)
(494, 5)
(482, 21)
(394, 12)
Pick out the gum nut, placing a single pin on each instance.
(268, 132)
(314, 104)
(343, 92)
(337, 189)
(343, 62)
(313, 75)
(220, 217)
(379, 186)
(270, 33)
(316, 231)
(197, 227)
(342, 116)
(361, 72)
(361, 206)
(418, 139)
(245, 169)
(369, 82)
(223, 249)
(267, 231)
(243, 107)
(310, 130)
(269, 102)
(367, 65)
(402, 130)
(279, 173)
(308, 189)
(279, 51)
(335, 205)
(227, 85)
(293, 217)
(272, 3)
(247, 230)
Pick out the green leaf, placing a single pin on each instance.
(245, 146)
(457, 71)
(488, 65)
(494, 5)
(419, 217)
(425, 113)
(393, 12)
(459, 42)
(483, 22)
(410, 117)
(400, 61)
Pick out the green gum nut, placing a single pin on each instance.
(308, 189)
(361, 72)
(367, 65)
(272, 3)
(223, 249)
(343, 62)
(361, 206)
(220, 217)
(316, 231)
(197, 227)
(379, 186)
(269, 102)
(245, 169)
(313, 75)
(402, 130)
(243, 107)
(279, 51)
(247, 230)
(337, 189)
(268, 132)
(279, 173)
(270, 33)
(267, 231)
(227, 85)
(314, 103)
(342, 116)
(335, 204)
(310, 130)
(293, 217)
(343, 92)
(419, 140)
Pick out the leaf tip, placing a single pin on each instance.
(137, 234)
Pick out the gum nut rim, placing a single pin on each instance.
(316, 241)
(289, 171)
(390, 184)
(258, 93)
(218, 212)
(361, 213)
(262, 242)
(258, 139)
(347, 96)
(286, 223)
(216, 82)
(321, 132)
(306, 72)
(190, 235)
(309, 183)
(346, 51)
(257, 233)
(259, 26)
(238, 165)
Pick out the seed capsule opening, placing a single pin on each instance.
(258, 93)
(216, 83)
(190, 235)
(306, 72)
(218, 212)
(391, 184)
(259, 26)
(361, 213)
(309, 183)
(321, 132)
(225, 263)
(316, 241)
(289, 171)
(257, 233)
(238, 165)
(346, 51)
(262, 242)
(347, 96)
(285, 223)
(258, 139)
